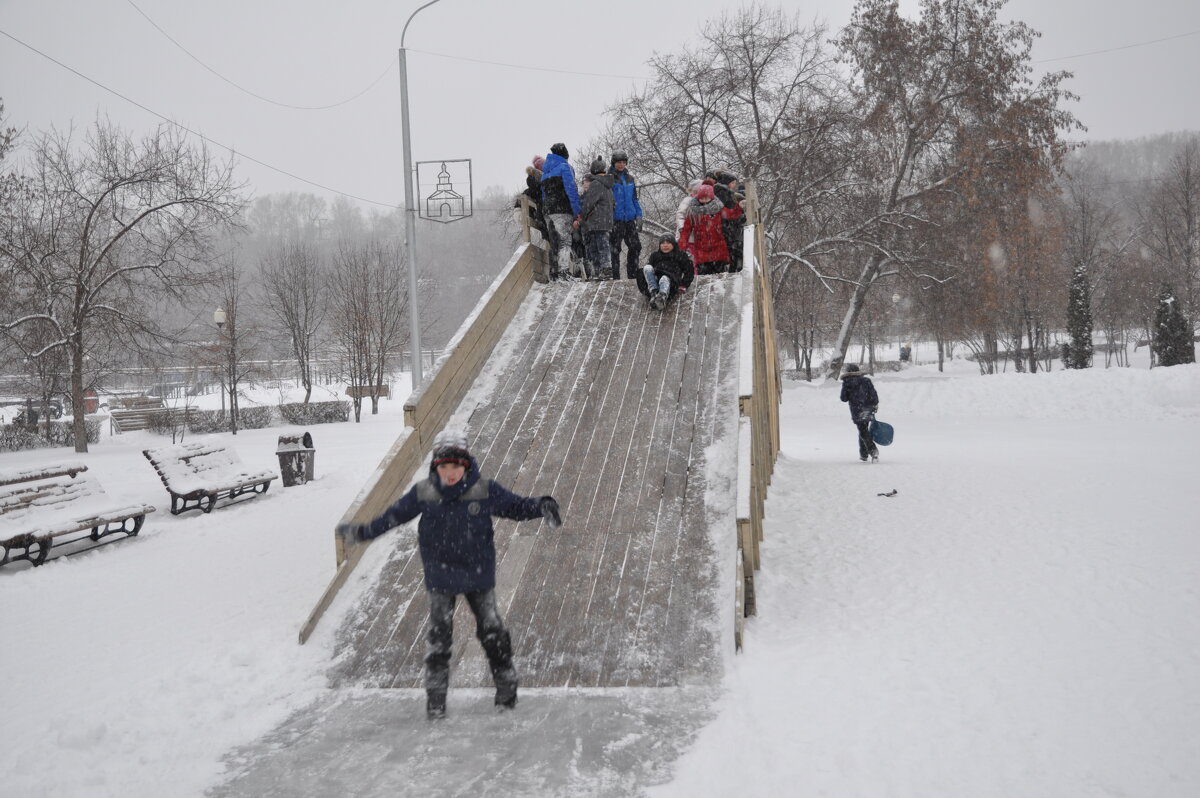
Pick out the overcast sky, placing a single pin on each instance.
(310, 53)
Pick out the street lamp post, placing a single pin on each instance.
(219, 318)
(410, 210)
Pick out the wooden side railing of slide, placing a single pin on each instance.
(430, 406)
(758, 404)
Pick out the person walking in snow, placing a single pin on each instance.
(627, 218)
(597, 219)
(456, 504)
(560, 203)
(859, 391)
(669, 271)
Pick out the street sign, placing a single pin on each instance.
(444, 190)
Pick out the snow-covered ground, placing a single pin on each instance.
(1019, 619)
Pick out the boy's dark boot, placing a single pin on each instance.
(498, 647)
(435, 704)
(506, 688)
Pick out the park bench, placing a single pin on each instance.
(198, 475)
(138, 412)
(53, 506)
(364, 391)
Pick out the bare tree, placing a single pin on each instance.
(294, 284)
(945, 103)
(368, 319)
(1171, 224)
(104, 229)
(238, 336)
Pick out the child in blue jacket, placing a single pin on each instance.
(456, 504)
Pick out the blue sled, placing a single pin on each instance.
(881, 433)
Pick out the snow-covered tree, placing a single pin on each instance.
(1079, 321)
(1173, 342)
(101, 231)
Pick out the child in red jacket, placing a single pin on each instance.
(703, 235)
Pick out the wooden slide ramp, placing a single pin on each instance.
(620, 412)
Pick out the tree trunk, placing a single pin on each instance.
(79, 421)
(869, 273)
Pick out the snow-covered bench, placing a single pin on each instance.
(48, 507)
(197, 475)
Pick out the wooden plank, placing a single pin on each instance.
(644, 661)
(691, 610)
(621, 463)
(542, 591)
(658, 407)
(587, 525)
(562, 395)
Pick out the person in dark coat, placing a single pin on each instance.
(703, 235)
(859, 391)
(456, 504)
(597, 219)
(669, 272)
(627, 218)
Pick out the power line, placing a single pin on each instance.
(195, 133)
(255, 95)
(530, 68)
(1122, 47)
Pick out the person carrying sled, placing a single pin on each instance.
(456, 504)
(859, 391)
(669, 271)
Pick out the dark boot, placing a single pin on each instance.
(435, 704)
(506, 688)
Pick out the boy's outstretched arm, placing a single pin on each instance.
(507, 504)
(404, 510)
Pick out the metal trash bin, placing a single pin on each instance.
(296, 456)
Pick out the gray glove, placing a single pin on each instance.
(550, 511)
(353, 532)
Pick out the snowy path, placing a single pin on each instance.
(1019, 620)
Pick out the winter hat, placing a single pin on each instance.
(705, 192)
(852, 370)
(620, 155)
(560, 150)
(695, 184)
(538, 162)
(450, 446)
(598, 167)
(668, 240)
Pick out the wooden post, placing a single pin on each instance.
(526, 236)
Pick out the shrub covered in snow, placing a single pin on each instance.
(18, 437)
(299, 413)
(202, 422)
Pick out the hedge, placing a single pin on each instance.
(18, 437)
(202, 422)
(298, 413)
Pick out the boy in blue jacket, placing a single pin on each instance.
(456, 505)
